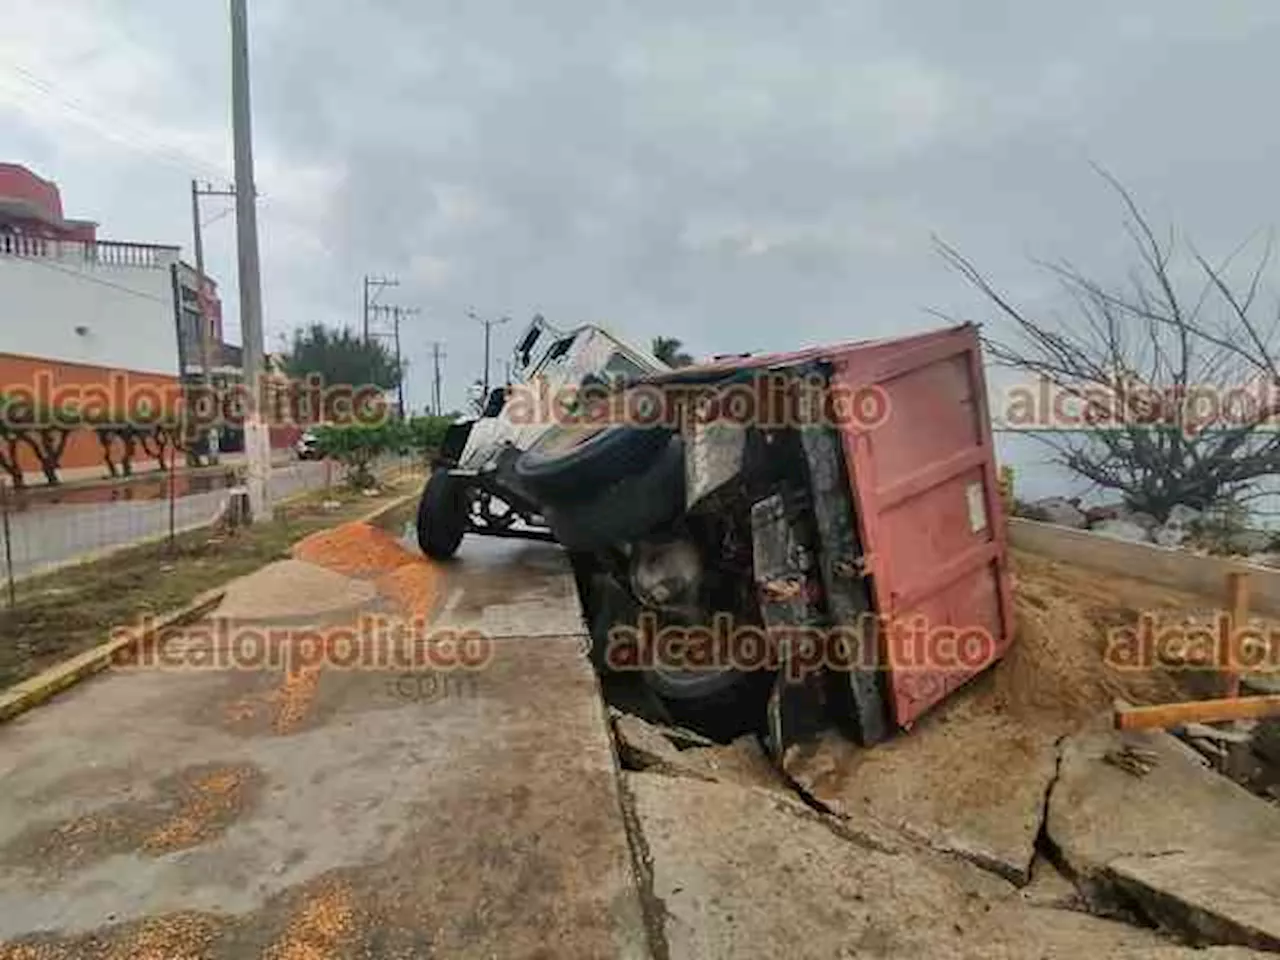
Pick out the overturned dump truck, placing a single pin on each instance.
(784, 542)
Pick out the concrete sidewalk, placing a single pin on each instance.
(329, 812)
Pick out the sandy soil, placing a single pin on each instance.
(1067, 620)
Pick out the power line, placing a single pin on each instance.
(219, 216)
(108, 126)
(372, 287)
(133, 136)
(397, 313)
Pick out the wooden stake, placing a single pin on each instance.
(1167, 715)
(1229, 656)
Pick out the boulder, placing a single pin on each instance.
(1108, 511)
(1182, 516)
(1144, 520)
(1060, 511)
(1121, 530)
(1170, 534)
(1249, 542)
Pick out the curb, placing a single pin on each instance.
(36, 690)
(378, 513)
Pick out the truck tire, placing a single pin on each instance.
(626, 510)
(723, 706)
(442, 515)
(570, 461)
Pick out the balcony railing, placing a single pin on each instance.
(108, 253)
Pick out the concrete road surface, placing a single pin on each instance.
(47, 536)
(336, 809)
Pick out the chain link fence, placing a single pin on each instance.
(47, 528)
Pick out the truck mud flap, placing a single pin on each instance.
(797, 708)
(860, 708)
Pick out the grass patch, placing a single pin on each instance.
(63, 613)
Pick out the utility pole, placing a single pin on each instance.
(257, 439)
(436, 356)
(206, 335)
(371, 287)
(399, 367)
(488, 326)
(397, 312)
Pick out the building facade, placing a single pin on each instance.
(77, 311)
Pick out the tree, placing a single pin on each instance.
(1173, 371)
(667, 349)
(341, 357)
(43, 430)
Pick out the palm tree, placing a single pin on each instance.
(667, 349)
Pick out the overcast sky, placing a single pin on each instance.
(743, 176)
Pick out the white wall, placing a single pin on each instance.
(127, 310)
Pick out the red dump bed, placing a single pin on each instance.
(929, 513)
(926, 497)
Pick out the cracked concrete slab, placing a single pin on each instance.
(738, 872)
(290, 589)
(510, 588)
(967, 780)
(1185, 846)
(353, 811)
(646, 746)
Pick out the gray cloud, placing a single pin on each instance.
(745, 176)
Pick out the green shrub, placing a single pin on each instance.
(426, 434)
(356, 446)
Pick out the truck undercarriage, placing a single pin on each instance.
(724, 561)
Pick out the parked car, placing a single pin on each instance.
(307, 446)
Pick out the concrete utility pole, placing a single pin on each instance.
(371, 286)
(399, 367)
(257, 438)
(206, 335)
(436, 356)
(488, 326)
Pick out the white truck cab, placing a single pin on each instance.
(548, 363)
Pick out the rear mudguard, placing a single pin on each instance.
(455, 441)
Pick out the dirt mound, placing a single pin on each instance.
(1067, 618)
(356, 549)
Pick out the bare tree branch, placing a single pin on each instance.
(1151, 368)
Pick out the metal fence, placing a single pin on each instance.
(44, 529)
